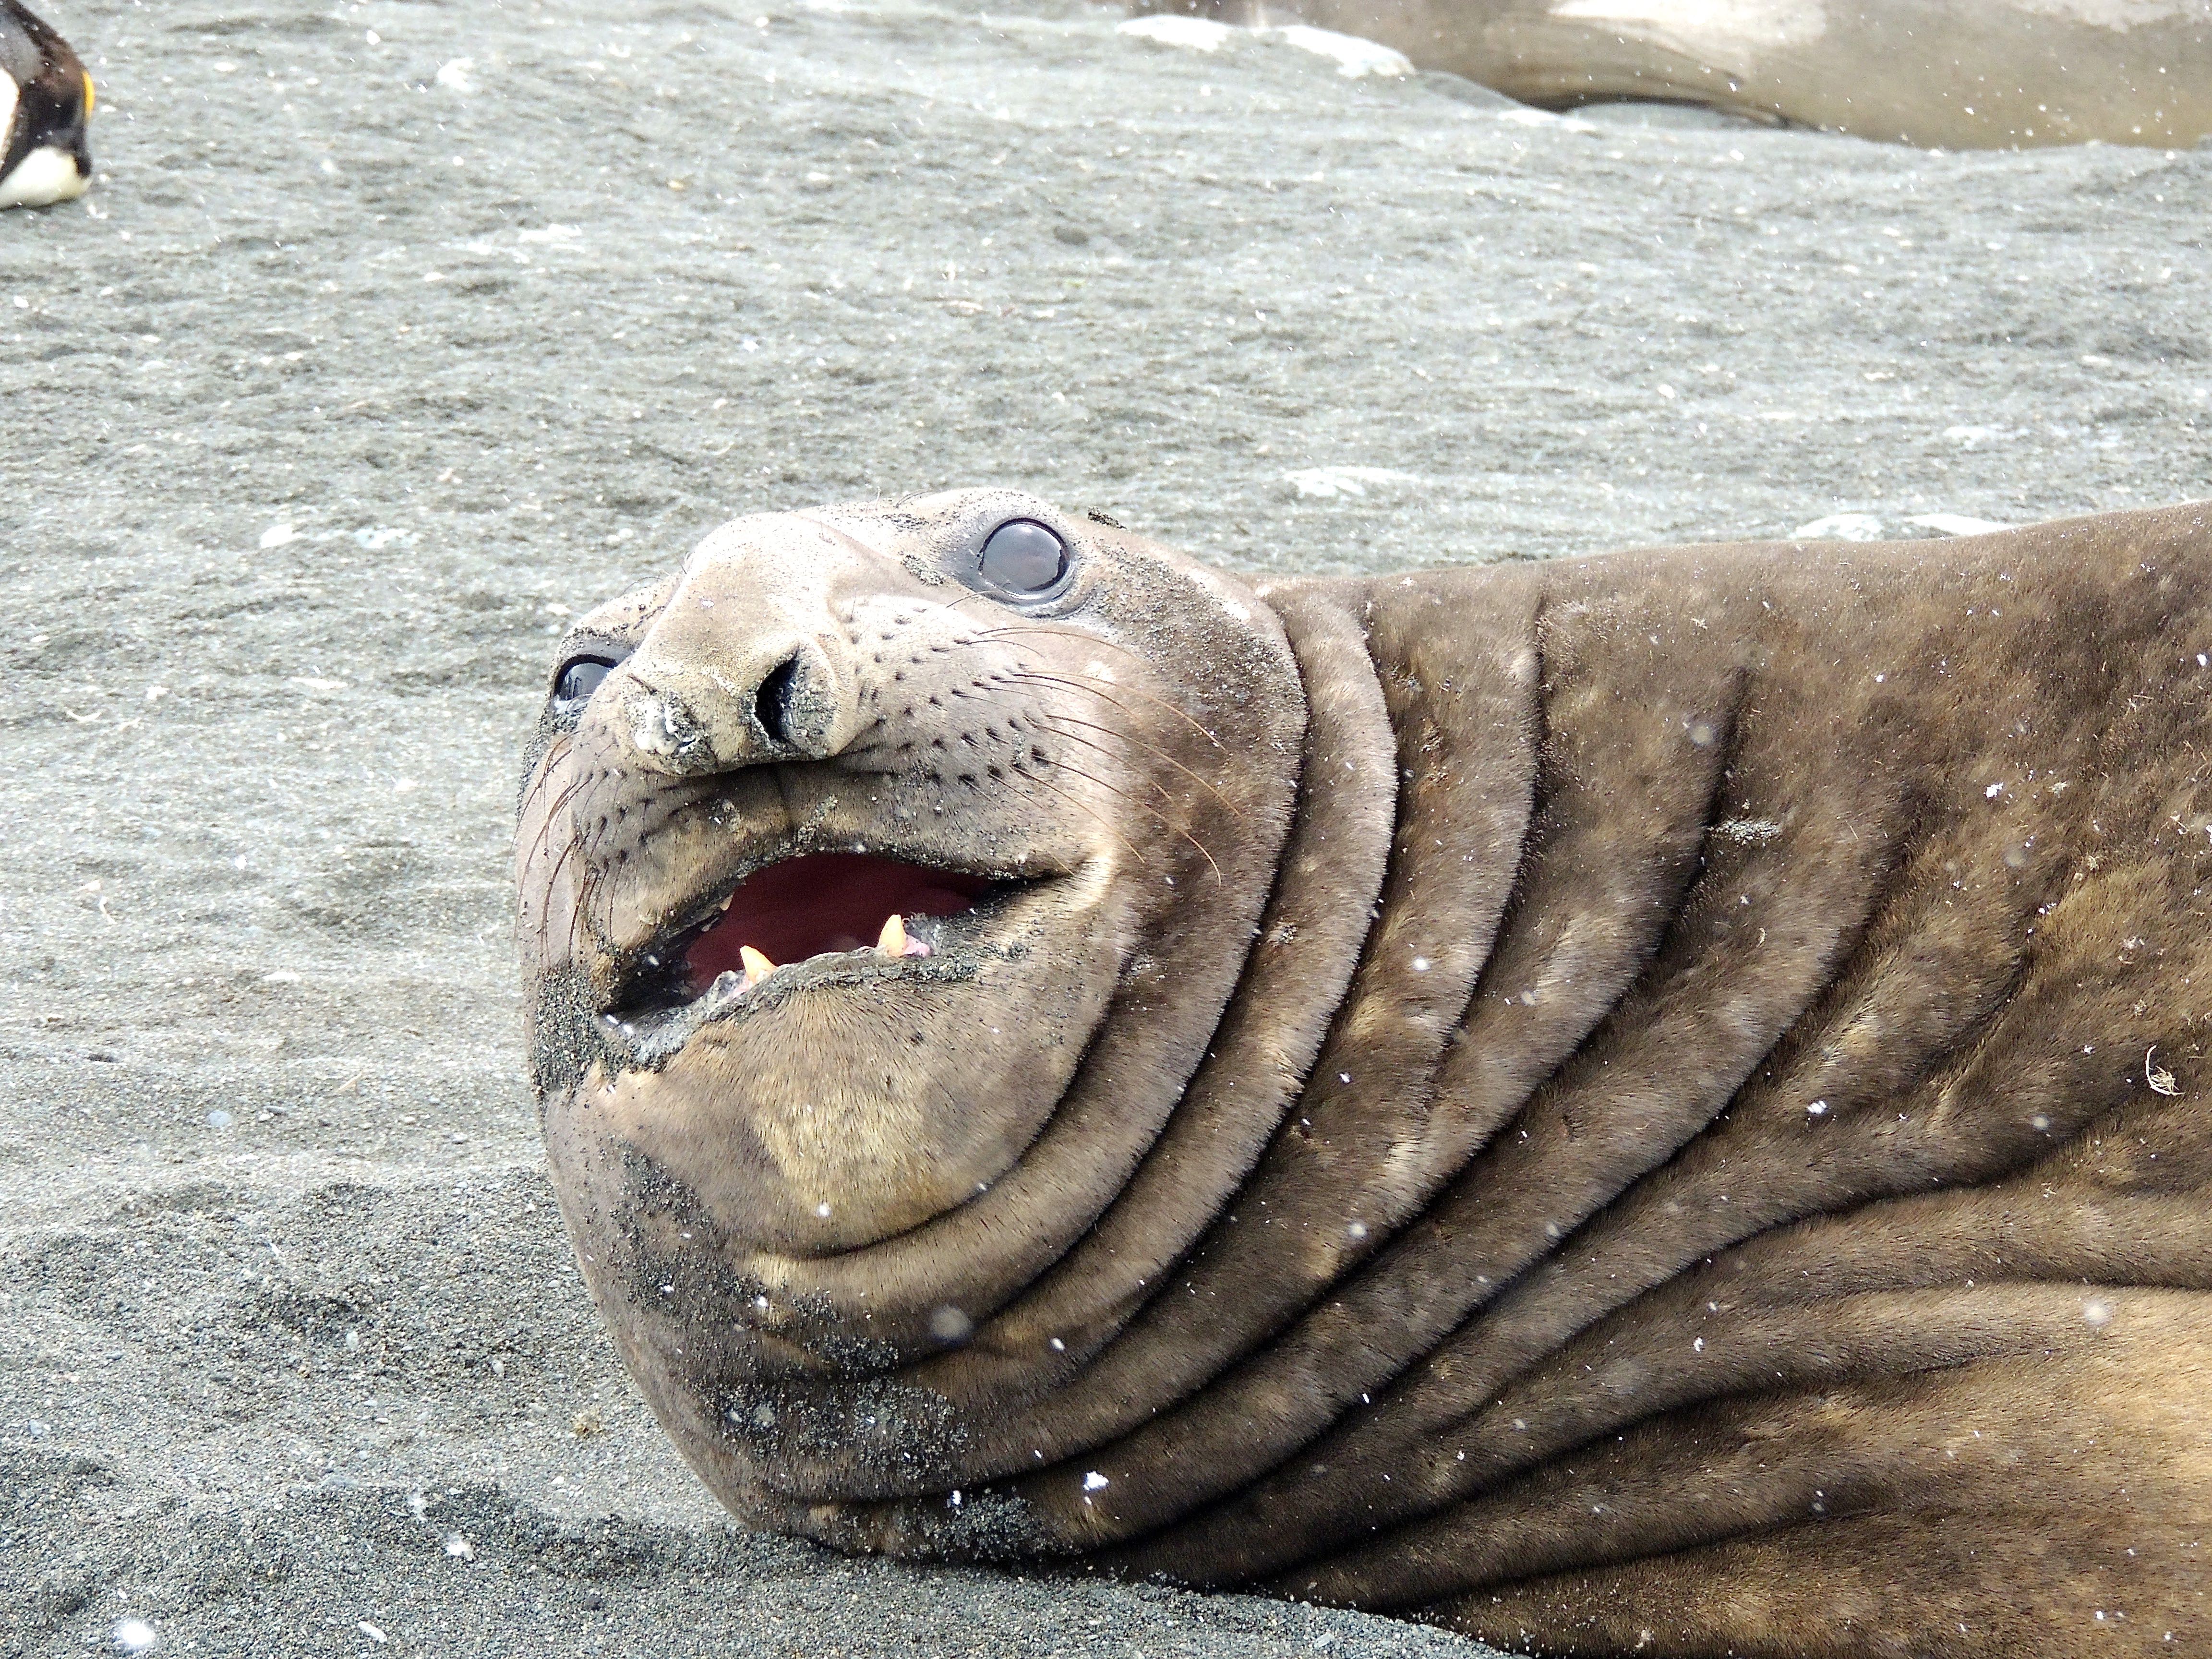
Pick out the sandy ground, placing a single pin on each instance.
(394, 330)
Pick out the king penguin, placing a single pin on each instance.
(46, 97)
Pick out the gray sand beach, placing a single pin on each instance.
(393, 333)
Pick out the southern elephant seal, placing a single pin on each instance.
(1959, 74)
(1651, 1104)
(46, 98)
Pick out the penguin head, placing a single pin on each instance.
(45, 99)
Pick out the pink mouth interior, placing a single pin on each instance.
(824, 902)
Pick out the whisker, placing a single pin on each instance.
(1085, 807)
(553, 768)
(579, 926)
(1165, 821)
(559, 816)
(1100, 749)
(1203, 852)
(1182, 714)
(1047, 724)
(569, 848)
(1038, 677)
(1075, 634)
(1141, 806)
(545, 822)
(545, 909)
(1006, 630)
(1157, 752)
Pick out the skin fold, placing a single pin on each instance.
(1639, 1104)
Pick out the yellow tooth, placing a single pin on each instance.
(892, 940)
(757, 967)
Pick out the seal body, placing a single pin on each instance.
(1642, 1104)
(1957, 74)
(45, 99)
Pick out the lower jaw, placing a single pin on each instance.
(646, 1039)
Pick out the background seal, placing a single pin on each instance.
(1950, 74)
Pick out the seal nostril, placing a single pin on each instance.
(772, 703)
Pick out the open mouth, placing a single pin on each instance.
(823, 903)
(819, 905)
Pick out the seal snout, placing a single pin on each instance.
(798, 705)
(788, 703)
(663, 729)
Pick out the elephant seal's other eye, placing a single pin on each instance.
(579, 678)
(1021, 556)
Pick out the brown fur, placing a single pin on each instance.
(1631, 1130)
(1959, 74)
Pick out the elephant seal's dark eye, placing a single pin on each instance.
(1021, 557)
(579, 678)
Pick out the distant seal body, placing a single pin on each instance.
(1642, 1104)
(1957, 74)
(45, 99)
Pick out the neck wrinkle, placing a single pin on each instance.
(1022, 1395)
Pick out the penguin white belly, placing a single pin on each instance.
(46, 175)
